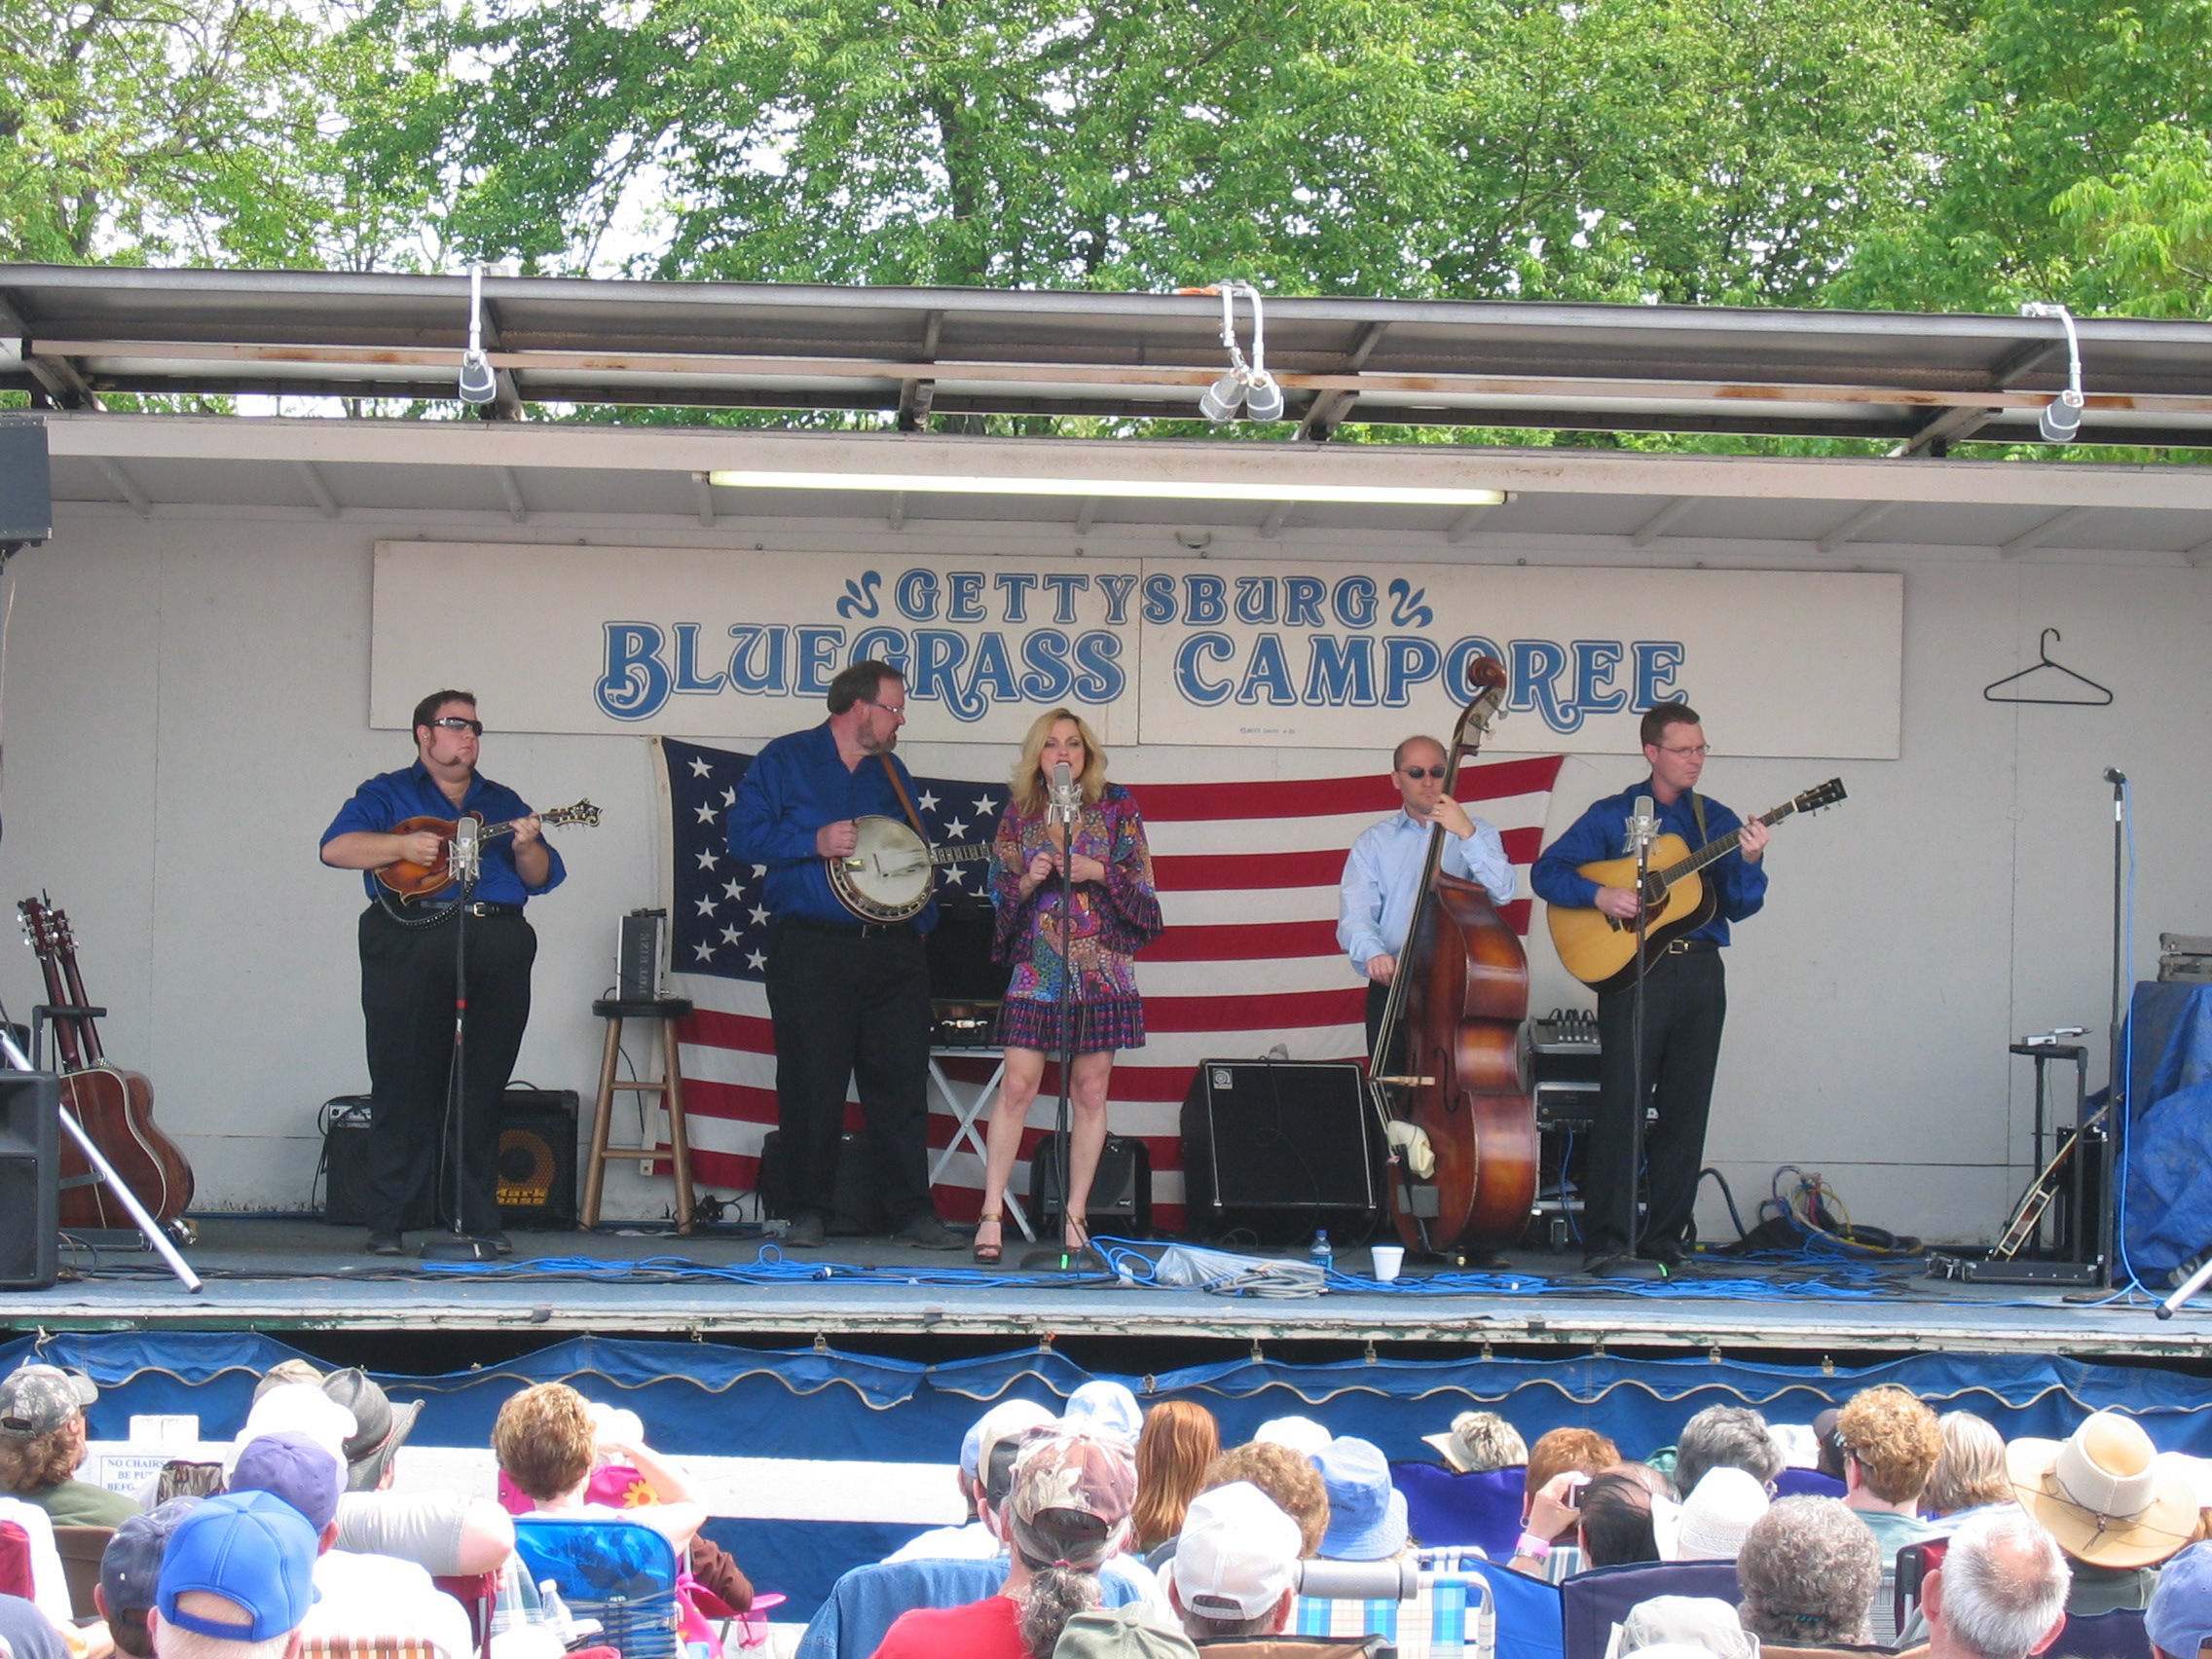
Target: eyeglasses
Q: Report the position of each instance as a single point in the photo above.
(1439, 773)
(453, 722)
(898, 713)
(1701, 750)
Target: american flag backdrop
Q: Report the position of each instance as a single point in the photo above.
(1248, 875)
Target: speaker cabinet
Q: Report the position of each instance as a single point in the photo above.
(30, 1175)
(537, 1168)
(1121, 1193)
(1279, 1148)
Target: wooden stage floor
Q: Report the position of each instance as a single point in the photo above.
(287, 1275)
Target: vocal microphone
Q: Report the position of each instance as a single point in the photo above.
(2113, 775)
(1066, 804)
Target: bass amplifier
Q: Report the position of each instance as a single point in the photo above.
(536, 1169)
(31, 1180)
(1279, 1148)
(1121, 1193)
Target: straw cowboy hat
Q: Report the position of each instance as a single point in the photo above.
(2103, 1493)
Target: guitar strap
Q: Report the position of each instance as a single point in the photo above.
(1697, 811)
(906, 805)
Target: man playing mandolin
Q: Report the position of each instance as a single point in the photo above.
(407, 972)
(1382, 874)
(848, 1000)
(1686, 997)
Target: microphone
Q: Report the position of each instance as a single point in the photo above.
(2113, 775)
(1642, 827)
(461, 855)
(1066, 804)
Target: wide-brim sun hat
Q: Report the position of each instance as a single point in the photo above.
(2103, 1494)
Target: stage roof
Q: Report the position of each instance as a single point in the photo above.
(74, 334)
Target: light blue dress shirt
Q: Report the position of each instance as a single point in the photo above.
(1376, 898)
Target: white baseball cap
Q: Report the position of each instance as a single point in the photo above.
(1104, 1407)
(1303, 1436)
(297, 1408)
(1236, 1555)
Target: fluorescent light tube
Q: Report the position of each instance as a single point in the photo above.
(1153, 488)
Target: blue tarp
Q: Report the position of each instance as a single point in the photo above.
(2167, 1203)
(703, 1398)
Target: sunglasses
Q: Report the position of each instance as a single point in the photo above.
(1439, 773)
(453, 722)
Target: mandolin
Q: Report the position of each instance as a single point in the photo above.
(115, 1107)
(412, 881)
(1599, 950)
(888, 876)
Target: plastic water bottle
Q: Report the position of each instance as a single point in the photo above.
(1320, 1255)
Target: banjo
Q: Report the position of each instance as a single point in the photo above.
(888, 876)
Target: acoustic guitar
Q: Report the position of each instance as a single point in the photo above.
(114, 1107)
(407, 881)
(1599, 950)
(888, 876)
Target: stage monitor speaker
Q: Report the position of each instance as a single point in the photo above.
(31, 1180)
(1279, 1147)
(637, 966)
(1121, 1193)
(26, 486)
(536, 1170)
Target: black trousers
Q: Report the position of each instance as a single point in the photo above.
(852, 1007)
(1685, 1004)
(407, 1001)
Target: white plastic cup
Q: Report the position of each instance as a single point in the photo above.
(1389, 1259)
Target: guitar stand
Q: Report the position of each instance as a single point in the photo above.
(102, 1170)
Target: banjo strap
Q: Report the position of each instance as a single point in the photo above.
(905, 804)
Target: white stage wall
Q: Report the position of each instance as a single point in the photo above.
(187, 705)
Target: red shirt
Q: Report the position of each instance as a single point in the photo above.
(989, 1629)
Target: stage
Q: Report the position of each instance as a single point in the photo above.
(303, 1276)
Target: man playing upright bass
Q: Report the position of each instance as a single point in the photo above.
(1381, 878)
(1685, 998)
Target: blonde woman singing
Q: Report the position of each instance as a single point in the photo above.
(1115, 914)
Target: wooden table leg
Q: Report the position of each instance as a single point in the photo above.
(679, 1135)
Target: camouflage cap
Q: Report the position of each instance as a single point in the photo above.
(39, 1399)
(1071, 1499)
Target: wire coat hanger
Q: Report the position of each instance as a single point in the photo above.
(2101, 694)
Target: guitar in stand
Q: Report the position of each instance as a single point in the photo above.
(117, 1167)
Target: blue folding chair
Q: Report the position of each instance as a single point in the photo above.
(1446, 1507)
(1590, 1603)
(620, 1573)
(1806, 1483)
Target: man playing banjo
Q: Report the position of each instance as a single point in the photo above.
(848, 999)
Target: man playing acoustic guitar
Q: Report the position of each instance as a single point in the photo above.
(1685, 998)
(407, 972)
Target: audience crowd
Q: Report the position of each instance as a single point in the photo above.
(1107, 1532)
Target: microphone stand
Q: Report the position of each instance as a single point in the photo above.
(463, 861)
(1060, 1258)
(1642, 833)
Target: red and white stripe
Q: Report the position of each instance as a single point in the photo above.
(1248, 875)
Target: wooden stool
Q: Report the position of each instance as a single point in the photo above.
(669, 1086)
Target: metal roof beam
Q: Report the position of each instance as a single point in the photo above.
(124, 485)
(510, 487)
(2057, 525)
(1663, 521)
(312, 476)
(703, 497)
(1857, 524)
(1327, 411)
(917, 395)
(1463, 526)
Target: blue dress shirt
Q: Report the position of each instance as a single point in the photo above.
(1380, 877)
(390, 798)
(794, 787)
(1601, 832)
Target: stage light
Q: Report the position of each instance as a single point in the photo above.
(1247, 385)
(1144, 489)
(2060, 422)
(478, 383)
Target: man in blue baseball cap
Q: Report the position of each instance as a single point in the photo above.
(236, 1580)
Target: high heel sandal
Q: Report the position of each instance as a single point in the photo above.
(1081, 1242)
(988, 1255)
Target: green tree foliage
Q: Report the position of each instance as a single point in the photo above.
(192, 131)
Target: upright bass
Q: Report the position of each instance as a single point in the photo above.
(1456, 1112)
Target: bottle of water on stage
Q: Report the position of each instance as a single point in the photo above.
(1322, 1256)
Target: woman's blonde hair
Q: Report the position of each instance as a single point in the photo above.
(1029, 780)
(1970, 1470)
